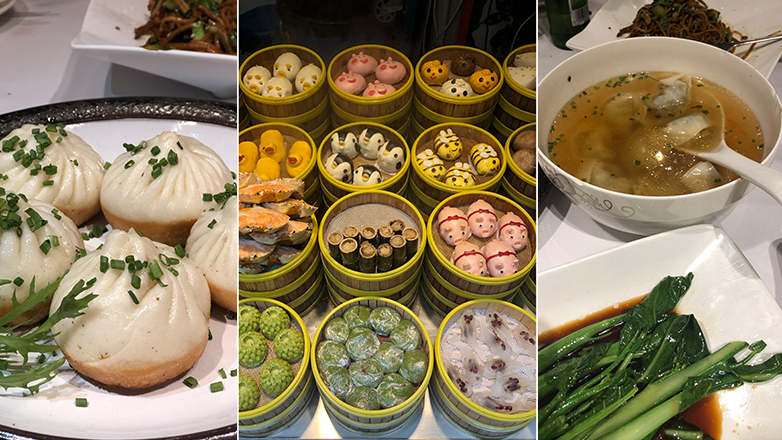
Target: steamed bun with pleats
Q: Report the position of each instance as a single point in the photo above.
(158, 186)
(212, 246)
(149, 321)
(51, 164)
(36, 242)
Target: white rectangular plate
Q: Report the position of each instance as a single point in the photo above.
(727, 297)
(169, 410)
(755, 19)
(108, 34)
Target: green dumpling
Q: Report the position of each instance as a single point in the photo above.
(338, 380)
(384, 319)
(366, 373)
(274, 320)
(275, 376)
(330, 353)
(363, 398)
(414, 366)
(249, 318)
(289, 345)
(336, 330)
(406, 336)
(357, 316)
(390, 357)
(249, 393)
(362, 343)
(393, 390)
(252, 349)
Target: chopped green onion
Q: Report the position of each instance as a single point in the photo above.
(104, 263)
(222, 373)
(210, 334)
(207, 197)
(47, 183)
(157, 170)
(85, 236)
(81, 402)
(179, 145)
(106, 165)
(173, 271)
(155, 150)
(234, 372)
(118, 264)
(173, 159)
(179, 251)
(18, 281)
(51, 128)
(50, 170)
(212, 224)
(155, 272)
(216, 387)
(45, 247)
(133, 296)
(56, 214)
(135, 281)
(129, 164)
(190, 382)
(55, 240)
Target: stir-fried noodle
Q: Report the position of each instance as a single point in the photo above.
(196, 25)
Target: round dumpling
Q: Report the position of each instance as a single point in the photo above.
(338, 380)
(330, 353)
(212, 246)
(390, 357)
(25, 254)
(158, 186)
(406, 336)
(149, 321)
(32, 155)
(384, 320)
(393, 390)
(414, 366)
(362, 344)
(363, 398)
(366, 373)
(357, 316)
(336, 330)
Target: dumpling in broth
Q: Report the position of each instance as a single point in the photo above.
(701, 177)
(675, 93)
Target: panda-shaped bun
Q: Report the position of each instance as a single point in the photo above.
(51, 164)
(212, 246)
(370, 142)
(391, 157)
(340, 167)
(149, 321)
(43, 251)
(366, 175)
(158, 187)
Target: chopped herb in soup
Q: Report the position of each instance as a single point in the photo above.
(622, 134)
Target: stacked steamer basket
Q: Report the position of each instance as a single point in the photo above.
(446, 284)
(391, 268)
(244, 115)
(374, 153)
(307, 109)
(519, 181)
(274, 413)
(380, 421)
(516, 105)
(527, 295)
(495, 418)
(389, 109)
(430, 185)
(305, 170)
(434, 107)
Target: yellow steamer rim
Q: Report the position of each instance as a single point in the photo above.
(370, 107)
(376, 416)
(359, 281)
(338, 189)
(308, 175)
(455, 107)
(263, 419)
(282, 107)
(474, 282)
(524, 98)
(518, 180)
(498, 421)
(441, 190)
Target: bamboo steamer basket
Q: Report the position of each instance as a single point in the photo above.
(399, 120)
(436, 190)
(427, 118)
(499, 130)
(353, 108)
(459, 410)
(510, 116)
(290, 280)
(315, 122)
(460, 286)
(380, 207)
(526, 295)
(336, 189)
(421, 201)
(291, 134)
(403, 293)
(446, 106)
(275, 414)
(515, 94)
(376, 422)
(244, 114)
(518, 180)
(302, 295)
(292, 107)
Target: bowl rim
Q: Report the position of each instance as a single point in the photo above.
(728, 187)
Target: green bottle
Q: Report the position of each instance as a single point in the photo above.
(566, 18)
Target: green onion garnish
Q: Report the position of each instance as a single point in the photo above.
(155, 272)
(106, 165)
(47, 183)
(179, 251)
(212, 224)
(155, 150)
(207, 197)
(234, 372)
(190, 382)
(129, 164)
(133, 296)
(118, 264)
(216, 387)
(81, 402)
(18, 281)
(45, 247)
(135, 281)
(173, 159)
(104, 263)
(222, 373)
(50, 170)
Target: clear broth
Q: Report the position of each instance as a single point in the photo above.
(609, 135)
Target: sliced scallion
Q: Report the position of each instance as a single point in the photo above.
(133, 296)
(81, 402)
(190, 382)
(216, 387)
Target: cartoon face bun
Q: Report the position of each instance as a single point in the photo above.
(158, 187)
(390, 71)
(287, 66)
(277, 87)
(352, 83)
(457, 87)
(146, 325)
(256, 78)
(73, 167)
(212, 247)
(307, 77)
(362, 64)
(32, 251)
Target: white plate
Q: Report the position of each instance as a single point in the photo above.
(167, 411)
(758, 20)
(6, 6)
(108, 34)
(727, 297)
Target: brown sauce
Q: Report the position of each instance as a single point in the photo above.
(705, 414)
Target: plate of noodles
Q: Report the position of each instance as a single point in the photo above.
(197, 47)
(694, 20)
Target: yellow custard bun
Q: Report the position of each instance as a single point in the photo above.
(51, 164)
(135, 337)
(25, 254)
(212, 246)
(158, 187)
